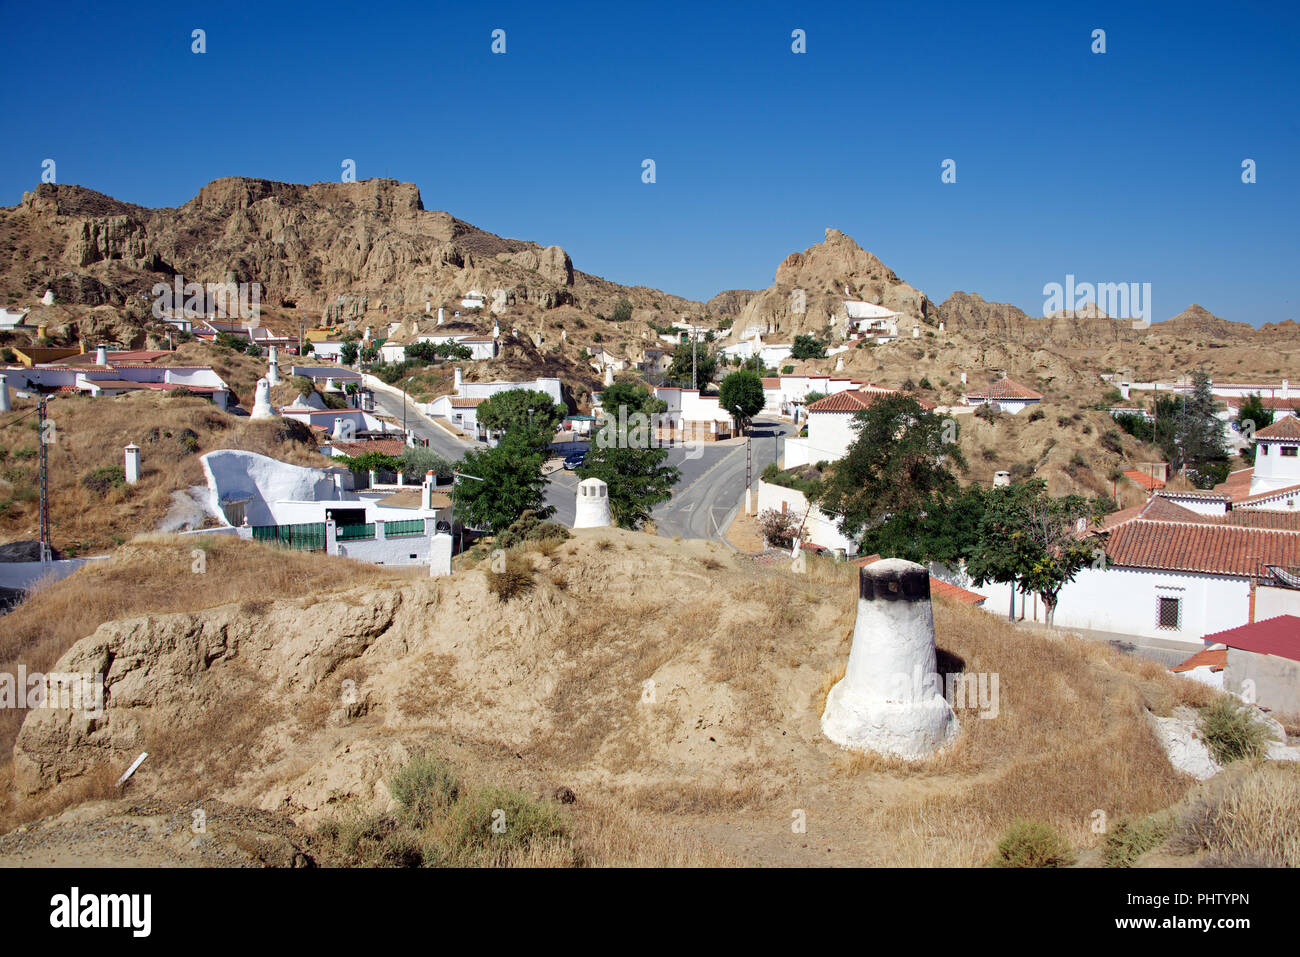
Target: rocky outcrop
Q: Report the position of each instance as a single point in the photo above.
(811, 287)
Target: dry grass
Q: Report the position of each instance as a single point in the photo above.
(1248, 819)
(153, 575)
(91, 434)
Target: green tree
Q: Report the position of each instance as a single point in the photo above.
(416, 461)
(945, 531)
(1251, 417)
(526, 410)
(808, 347)
(1030, 540)
(511, 483)
(706, 364)
(622, 311)
(898, 463)
(638, 479)
(742, 395)
(348, 353)
(632, 396)
(1198, 441)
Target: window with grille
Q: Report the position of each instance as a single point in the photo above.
(1289, 451)
(1167, 612)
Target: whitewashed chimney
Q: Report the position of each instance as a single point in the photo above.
(1286, 390)
(426, 491)
(101, 355)
(456, 381)
(428, 305)
(262, 401)
(273, 367)
(1001, 478)
(609, 374)
(48, 298)
(440, 315)
(5, 406)
(132, 464)
(890, 700)
(440, 555)
(592, 508)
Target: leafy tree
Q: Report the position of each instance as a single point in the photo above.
(1030, 540)
(808, 347)
(706, 364)
(369, 353)
(945, 531)
(511, 483)
(1198, 441)
(1251, 417)
(637, 478)
(348, 353)
(416, 461)
(622, 311)
(426, 351)
(633, 396)
(898, 463)
(742, 395)
(526, 410)
(371, 461)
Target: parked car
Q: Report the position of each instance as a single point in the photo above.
(574, 459)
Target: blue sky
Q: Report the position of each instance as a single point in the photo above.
(1115, 167)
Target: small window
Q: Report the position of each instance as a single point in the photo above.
(1167, 612)
(1263, 450)
(1289, 451)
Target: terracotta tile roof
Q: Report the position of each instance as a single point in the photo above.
(1268, 402)
(1005, 389)
(772, 383)
(1209, 548)
(1287, 427)
(855, 400)
(1278, 636)
(1144, 480)
(1216, 659)
(1237, 484)
(461, 402)
(1262, 518)
(383, 446)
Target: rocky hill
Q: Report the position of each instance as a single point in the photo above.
(808, 294)
(328, 251)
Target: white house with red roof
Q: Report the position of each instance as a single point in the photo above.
(1005, 395)
(105, 373)
(830, 426)
(1166, 571)
(460, 407)
(786, 395)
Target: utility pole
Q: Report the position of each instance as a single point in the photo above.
(693, 383)
(46, 552)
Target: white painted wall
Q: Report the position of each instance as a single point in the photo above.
(1273, 468)
(1123, 600)
(819, 528)
(266, 481)
(27, 574)
(829, 436)
(1271, 601)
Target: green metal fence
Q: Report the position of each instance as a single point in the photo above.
(309, 537)
(352, 533)
(412, 526)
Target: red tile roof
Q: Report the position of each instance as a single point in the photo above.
(462, 402)
(1209, 548)
(1143, 479)
(855, 400)
(1278, 636)
(1287, 427)
(1005, 389)
(1265, 496)
(1216, 659)
(772, 383)
(1237, 484)
(383, 446)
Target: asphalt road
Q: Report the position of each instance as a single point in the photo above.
(440, 441)
(706, 496)
(709, 491)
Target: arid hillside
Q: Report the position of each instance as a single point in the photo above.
(637, 730)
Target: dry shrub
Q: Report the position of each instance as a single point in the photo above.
(1246, 819)
(1032, 844)
(514, 579)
